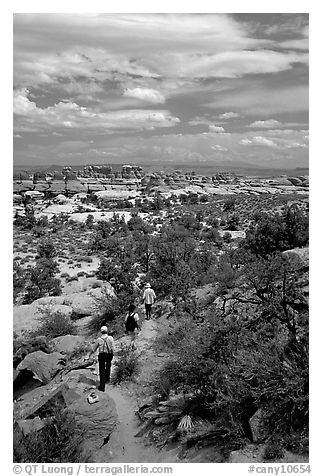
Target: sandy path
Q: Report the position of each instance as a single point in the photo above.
(123, 446)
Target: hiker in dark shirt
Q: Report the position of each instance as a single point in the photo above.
(105, 346)
(132, 321)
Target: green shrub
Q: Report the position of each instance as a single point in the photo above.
(42, 281)
(297, 443)
(110, 312)
(126, 364)
(54, 324)
(60, 441)
(273, 450)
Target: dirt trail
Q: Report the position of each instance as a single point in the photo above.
(123, 446)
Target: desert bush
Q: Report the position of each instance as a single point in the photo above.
(41, 280)
(297, 443)
(126, 364)
(110, 312)
(229, 204)
(232, 222)
(270, 233)
(227, 238)
(19, 277)
(46, 249)
(54, 324)
(26, 222)
(273, 450)
(60, 441)
(235, 363)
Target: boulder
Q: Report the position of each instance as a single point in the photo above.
(75, 186)
(86, 303)
(34, 194)
(152, 414)
(15, 374)
(49, 300)
(61, 199)
(32, 345)
(17, 198)
(43, 366)
(25, 317)
(257, 427)
(166, 419)
(99, 418)
(302, 254)
(28, 426)
(234, 234)
(149, 402)
(67, 344)
(40, 401)
(82, 376)
(295, 181)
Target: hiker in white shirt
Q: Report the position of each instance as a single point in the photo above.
(148, 299)
(105, 346)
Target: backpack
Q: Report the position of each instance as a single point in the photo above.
(131, 323)
(106, 348)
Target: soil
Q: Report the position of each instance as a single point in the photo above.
(123, 445)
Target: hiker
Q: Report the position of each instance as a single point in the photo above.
(105, 346)
(148, 299)
(132, 321)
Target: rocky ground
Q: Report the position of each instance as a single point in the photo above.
(115, 416)
(49, 375)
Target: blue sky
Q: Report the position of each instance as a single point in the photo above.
(180, 88)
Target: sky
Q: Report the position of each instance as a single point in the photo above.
(161, 88)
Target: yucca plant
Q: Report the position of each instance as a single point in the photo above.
(185, 424)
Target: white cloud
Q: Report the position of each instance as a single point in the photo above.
(268, 124)
(258, 140)
(71, 115)
(228, 115)
(277, 138)
(213, 128)
(219, 147)
(167, 46)
(145, 94)
(264, 101)
(302, 44)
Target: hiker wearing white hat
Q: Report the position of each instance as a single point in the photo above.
(105, 346)
(148, 299)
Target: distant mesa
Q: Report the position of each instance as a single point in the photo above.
(67, 181)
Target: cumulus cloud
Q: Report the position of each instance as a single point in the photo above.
(279, 139)
(219, 147)
(213, 128)
(228, 115)
(145, 94)
(185, 148)
(72, 116)
(258, 140)
(268, 124)
(112, 73)
(147, 45)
